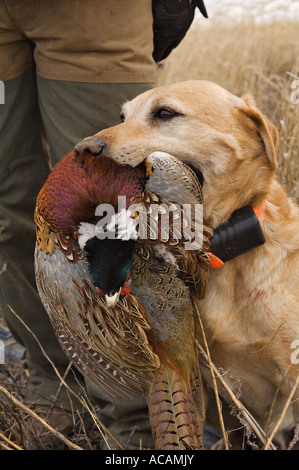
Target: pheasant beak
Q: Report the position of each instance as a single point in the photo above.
(111, 300)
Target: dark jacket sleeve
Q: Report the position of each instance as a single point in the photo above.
(172, 19)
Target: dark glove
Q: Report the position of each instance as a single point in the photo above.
(172, 19)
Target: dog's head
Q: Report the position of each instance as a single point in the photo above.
(225, 139)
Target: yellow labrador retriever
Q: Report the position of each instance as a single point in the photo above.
(251, 308)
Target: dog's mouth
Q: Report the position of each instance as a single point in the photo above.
(193, 168)
(197, 172)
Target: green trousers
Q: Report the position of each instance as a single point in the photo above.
(40, 122)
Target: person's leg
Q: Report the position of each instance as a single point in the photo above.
(23, 170)
(73, 110)
(127, 420)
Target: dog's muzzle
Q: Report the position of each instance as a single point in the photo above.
(94, 145)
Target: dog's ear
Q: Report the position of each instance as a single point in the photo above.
(265, 128)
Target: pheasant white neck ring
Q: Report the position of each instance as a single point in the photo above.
(121, 226)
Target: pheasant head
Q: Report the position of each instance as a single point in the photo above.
(85, 214)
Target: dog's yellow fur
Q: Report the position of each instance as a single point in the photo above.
(251, 308)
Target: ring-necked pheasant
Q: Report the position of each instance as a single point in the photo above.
(121, 307)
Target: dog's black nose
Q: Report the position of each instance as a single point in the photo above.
(94, 145)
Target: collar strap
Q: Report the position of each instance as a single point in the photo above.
(240, 233)
(258, 210)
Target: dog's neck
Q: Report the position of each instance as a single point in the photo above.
(241, 233)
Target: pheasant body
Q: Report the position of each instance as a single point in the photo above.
(145, 342)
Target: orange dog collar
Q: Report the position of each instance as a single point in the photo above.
(242, 232)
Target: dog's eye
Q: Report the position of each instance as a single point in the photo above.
(165, 113)
(122, 117)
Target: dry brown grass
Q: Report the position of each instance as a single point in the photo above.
(243, 56)
(24, 428)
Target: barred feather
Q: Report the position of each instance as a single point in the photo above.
(174, 418)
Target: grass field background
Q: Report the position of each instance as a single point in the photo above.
(249, 47)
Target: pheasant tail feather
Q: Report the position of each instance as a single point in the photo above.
(173, 414)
